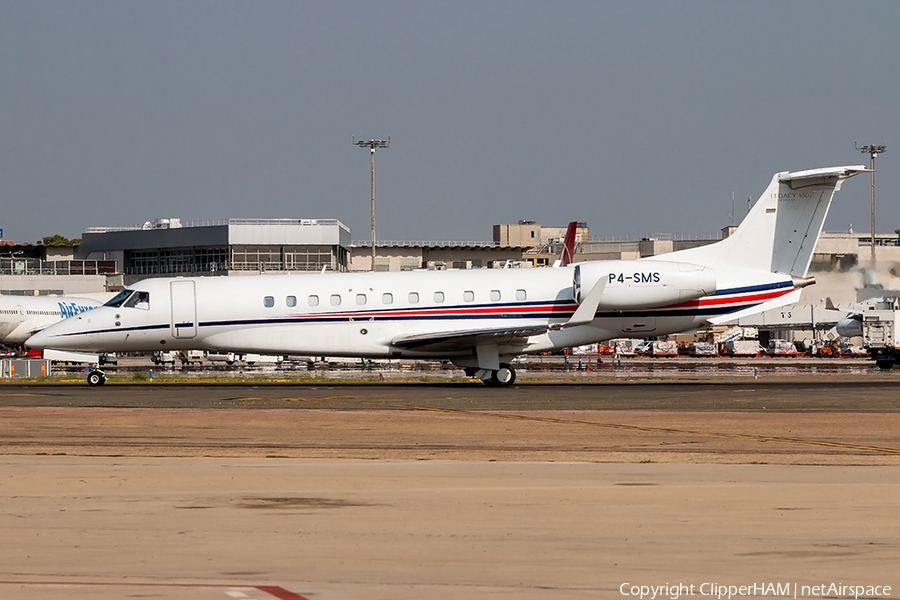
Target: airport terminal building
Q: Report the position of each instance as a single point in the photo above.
(168, 247)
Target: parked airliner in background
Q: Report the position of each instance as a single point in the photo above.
(478, 319)
(23, 316)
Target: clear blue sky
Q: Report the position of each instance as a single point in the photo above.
(637, 117)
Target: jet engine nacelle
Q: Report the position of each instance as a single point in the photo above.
(633, 284)
(851, 326)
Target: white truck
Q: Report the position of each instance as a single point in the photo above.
(164, 358)
(881, 336)
(258, 359)
(215, 356)
(192, 356)
(878, 324)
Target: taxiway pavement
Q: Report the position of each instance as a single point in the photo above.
(446, 490)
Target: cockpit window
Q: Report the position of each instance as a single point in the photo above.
(139, 300)
(119, 299)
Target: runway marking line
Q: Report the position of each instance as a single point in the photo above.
(272, 590)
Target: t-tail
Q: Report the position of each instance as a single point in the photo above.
(767, 257)
(780, 232)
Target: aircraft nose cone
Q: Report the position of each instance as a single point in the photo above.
(52, 337)
(38, 340)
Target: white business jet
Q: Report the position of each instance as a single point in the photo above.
(478, 319)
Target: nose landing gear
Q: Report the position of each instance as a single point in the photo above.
(96, 377)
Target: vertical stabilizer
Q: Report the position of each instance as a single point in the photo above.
(567, 254)
(568, 251)
(780, 232)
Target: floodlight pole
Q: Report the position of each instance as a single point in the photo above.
(872, 151)
(372, 145)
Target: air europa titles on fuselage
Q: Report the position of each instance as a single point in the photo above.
(70, 309)
(636, 277)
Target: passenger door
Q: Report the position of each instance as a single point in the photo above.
(184, 309)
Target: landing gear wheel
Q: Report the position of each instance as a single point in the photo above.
(96, 378)
(504, 377)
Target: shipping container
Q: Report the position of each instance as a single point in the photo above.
(782, 348)
(742, 348)
(663, 348)
(702, 349)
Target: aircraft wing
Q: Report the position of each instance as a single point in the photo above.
(443, 341)
(510, 336)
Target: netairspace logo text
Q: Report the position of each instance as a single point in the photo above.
(720, 591)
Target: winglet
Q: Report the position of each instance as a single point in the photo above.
(587, 310)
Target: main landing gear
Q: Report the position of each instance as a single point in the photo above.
(505, 376)
(96, 377)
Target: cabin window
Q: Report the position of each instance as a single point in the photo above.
(335, 299)
(361, 299)
(521, 295)
(269, 301)
(413, 297)
(439, 297)
(495, 295)
(469, 296)
(313, 300)
(387, 298)
(291, 301)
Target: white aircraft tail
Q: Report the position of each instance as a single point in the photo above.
(780, 232)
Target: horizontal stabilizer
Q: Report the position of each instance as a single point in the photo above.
(825, 172)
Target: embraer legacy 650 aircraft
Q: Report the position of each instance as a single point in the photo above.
(478, 319)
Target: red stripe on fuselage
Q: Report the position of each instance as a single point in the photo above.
(724, 301)
(561, 309)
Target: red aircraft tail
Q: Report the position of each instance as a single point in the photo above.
(568, 251)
